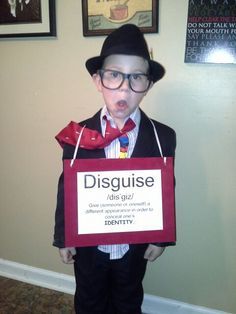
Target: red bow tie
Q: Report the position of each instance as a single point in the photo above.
(91, 139)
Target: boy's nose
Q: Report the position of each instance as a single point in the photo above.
(125, 85)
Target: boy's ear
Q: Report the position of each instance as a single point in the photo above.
(97, 81)
(149, 88)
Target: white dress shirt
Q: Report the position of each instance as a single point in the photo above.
(117, 251)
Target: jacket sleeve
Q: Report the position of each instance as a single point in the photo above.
(59, 229)
(168, 143)
(68, 151)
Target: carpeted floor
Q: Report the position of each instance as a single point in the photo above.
(21, 298)
(17, 297)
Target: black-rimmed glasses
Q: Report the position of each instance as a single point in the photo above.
(112, 79)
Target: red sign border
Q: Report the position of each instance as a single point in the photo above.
(168, 234)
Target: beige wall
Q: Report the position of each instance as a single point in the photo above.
(44, 85)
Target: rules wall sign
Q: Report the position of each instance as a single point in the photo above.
(211, 31)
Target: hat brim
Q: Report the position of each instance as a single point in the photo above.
(94, 64)
(157, 71)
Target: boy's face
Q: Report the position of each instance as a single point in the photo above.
(122, 102)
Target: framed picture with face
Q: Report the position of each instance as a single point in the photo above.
(27, 18)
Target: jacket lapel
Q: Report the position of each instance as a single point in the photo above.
(94, 124)
(146, 145)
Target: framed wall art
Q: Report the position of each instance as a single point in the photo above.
(27, 18)
(100, 17)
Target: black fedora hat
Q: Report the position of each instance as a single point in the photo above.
(126, 40)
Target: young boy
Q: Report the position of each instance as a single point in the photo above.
(109, 277)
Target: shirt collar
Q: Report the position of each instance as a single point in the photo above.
(135, 116)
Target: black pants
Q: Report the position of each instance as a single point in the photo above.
(105, 286)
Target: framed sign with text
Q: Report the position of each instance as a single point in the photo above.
(100, 17)
(211, 31)
(110, 201)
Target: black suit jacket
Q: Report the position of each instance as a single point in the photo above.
(146, 146)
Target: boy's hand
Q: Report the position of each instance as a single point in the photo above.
(66, 255)
(153, 252)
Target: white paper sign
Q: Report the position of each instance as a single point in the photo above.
(119, 201)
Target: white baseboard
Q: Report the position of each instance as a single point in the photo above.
(158, 305)
(65, 283)
(37, 276)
